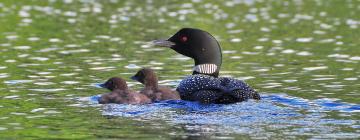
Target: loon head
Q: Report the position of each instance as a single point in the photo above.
(115, 83)
(199, 45)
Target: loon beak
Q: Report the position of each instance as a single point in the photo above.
(163, 43)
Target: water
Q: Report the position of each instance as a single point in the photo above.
(302, 56)
(291, 115)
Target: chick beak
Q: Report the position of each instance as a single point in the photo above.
(134, 78)
(102, 85)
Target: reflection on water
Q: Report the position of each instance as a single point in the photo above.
(292, 115)
(53, 52)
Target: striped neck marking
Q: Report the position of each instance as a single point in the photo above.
(205, 68)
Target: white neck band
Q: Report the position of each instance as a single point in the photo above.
(205, 68)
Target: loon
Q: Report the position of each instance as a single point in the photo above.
(204, 85)
(152, 90)
(120, 93)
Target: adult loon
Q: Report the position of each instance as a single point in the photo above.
(204, 85)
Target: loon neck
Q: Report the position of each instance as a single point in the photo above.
(151, 84)
(207, 68)
(210, 58)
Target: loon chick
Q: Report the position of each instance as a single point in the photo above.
(155, 92)
(120, 93)
(204, 85)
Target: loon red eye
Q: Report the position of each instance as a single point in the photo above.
(184, 38)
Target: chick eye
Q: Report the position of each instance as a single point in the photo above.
(184, 38)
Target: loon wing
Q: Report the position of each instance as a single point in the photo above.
(206, 96)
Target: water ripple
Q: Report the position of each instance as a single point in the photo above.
(277, 110)
(17, 81)
(48, 90)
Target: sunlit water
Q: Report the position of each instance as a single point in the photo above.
(302, 56)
